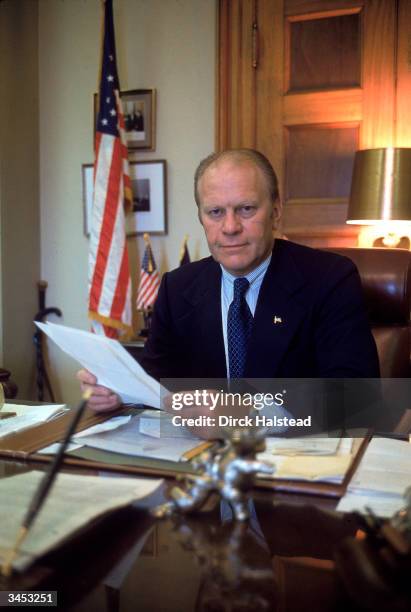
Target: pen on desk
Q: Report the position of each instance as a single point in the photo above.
(197, 450)
(44, 486)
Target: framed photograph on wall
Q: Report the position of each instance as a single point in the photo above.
(139, 107)
(149, 186)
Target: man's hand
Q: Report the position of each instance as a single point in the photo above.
(102, 399)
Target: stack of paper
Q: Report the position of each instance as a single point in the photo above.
(73, 502)
(142, 435)
(27, 416)
(381, 478)
(113, 366)
(319, 458)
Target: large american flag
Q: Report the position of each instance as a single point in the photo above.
(149, 280)
(109, 274)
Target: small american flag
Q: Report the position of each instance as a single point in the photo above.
(149, 279)
(109, 274)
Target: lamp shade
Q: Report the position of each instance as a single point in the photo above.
(381, 186)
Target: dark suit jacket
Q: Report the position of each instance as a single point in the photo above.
(323, 330)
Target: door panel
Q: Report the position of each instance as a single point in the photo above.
(307, 82)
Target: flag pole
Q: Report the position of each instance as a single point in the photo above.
(109, 272)
(183, 247)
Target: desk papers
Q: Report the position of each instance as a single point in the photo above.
(129, 440)
(109, 425)
(322, 459)
(381, 478)
(307, 445)
(113, 366)
(27, 416)
(149, 434)
(73, 502)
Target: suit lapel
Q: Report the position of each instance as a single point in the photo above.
(278, 314)
(204, 296)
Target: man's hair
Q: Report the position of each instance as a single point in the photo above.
(240, 156)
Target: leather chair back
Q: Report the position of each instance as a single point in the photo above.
(386, 279)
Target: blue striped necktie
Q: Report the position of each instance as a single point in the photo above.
(239, 325)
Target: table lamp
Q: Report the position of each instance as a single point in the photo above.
(381, 197)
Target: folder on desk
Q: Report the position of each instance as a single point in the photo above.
(26, 444)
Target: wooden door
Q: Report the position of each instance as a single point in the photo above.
(308, 82)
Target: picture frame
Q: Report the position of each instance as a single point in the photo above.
(149, 186)
(139, 107)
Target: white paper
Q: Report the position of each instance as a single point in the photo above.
(109, 425)
(310, 459)
(54, 448)
(27, 416)
(74, 501)
(384, 468)
(302, 446)
(382, 505)
(150, 426)
(113, 366)
(381, 478)
(128, 440)
(76, 443)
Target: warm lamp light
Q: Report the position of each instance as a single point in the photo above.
(381, 194)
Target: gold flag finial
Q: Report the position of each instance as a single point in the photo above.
(183, 246)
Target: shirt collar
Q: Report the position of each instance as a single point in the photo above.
(253, 277)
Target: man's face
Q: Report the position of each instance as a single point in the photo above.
(237, 215)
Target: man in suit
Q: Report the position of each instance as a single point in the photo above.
(305, 308)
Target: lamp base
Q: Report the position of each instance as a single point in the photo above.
(377, 236)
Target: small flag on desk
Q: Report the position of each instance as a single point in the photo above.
(149, 279)
(109, 274)
(184, 254)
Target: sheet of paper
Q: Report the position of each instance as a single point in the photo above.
(74, 501)
(381, 478)
(327, 469)
(24, 409)
(113, 366)
(385, 467)
(27, 416)
(159, 424)
(128, 440)
(307, 445)
(309, 459)
(54, 448)
(150, 427)
(382, 505)
(76, 443)
(109, 425)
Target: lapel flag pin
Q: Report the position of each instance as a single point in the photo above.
(277, 320)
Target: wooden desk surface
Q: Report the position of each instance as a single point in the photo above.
(282, 561)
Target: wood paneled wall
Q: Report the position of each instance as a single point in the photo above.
(308, 82)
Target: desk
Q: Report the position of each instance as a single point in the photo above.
(200, 563)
